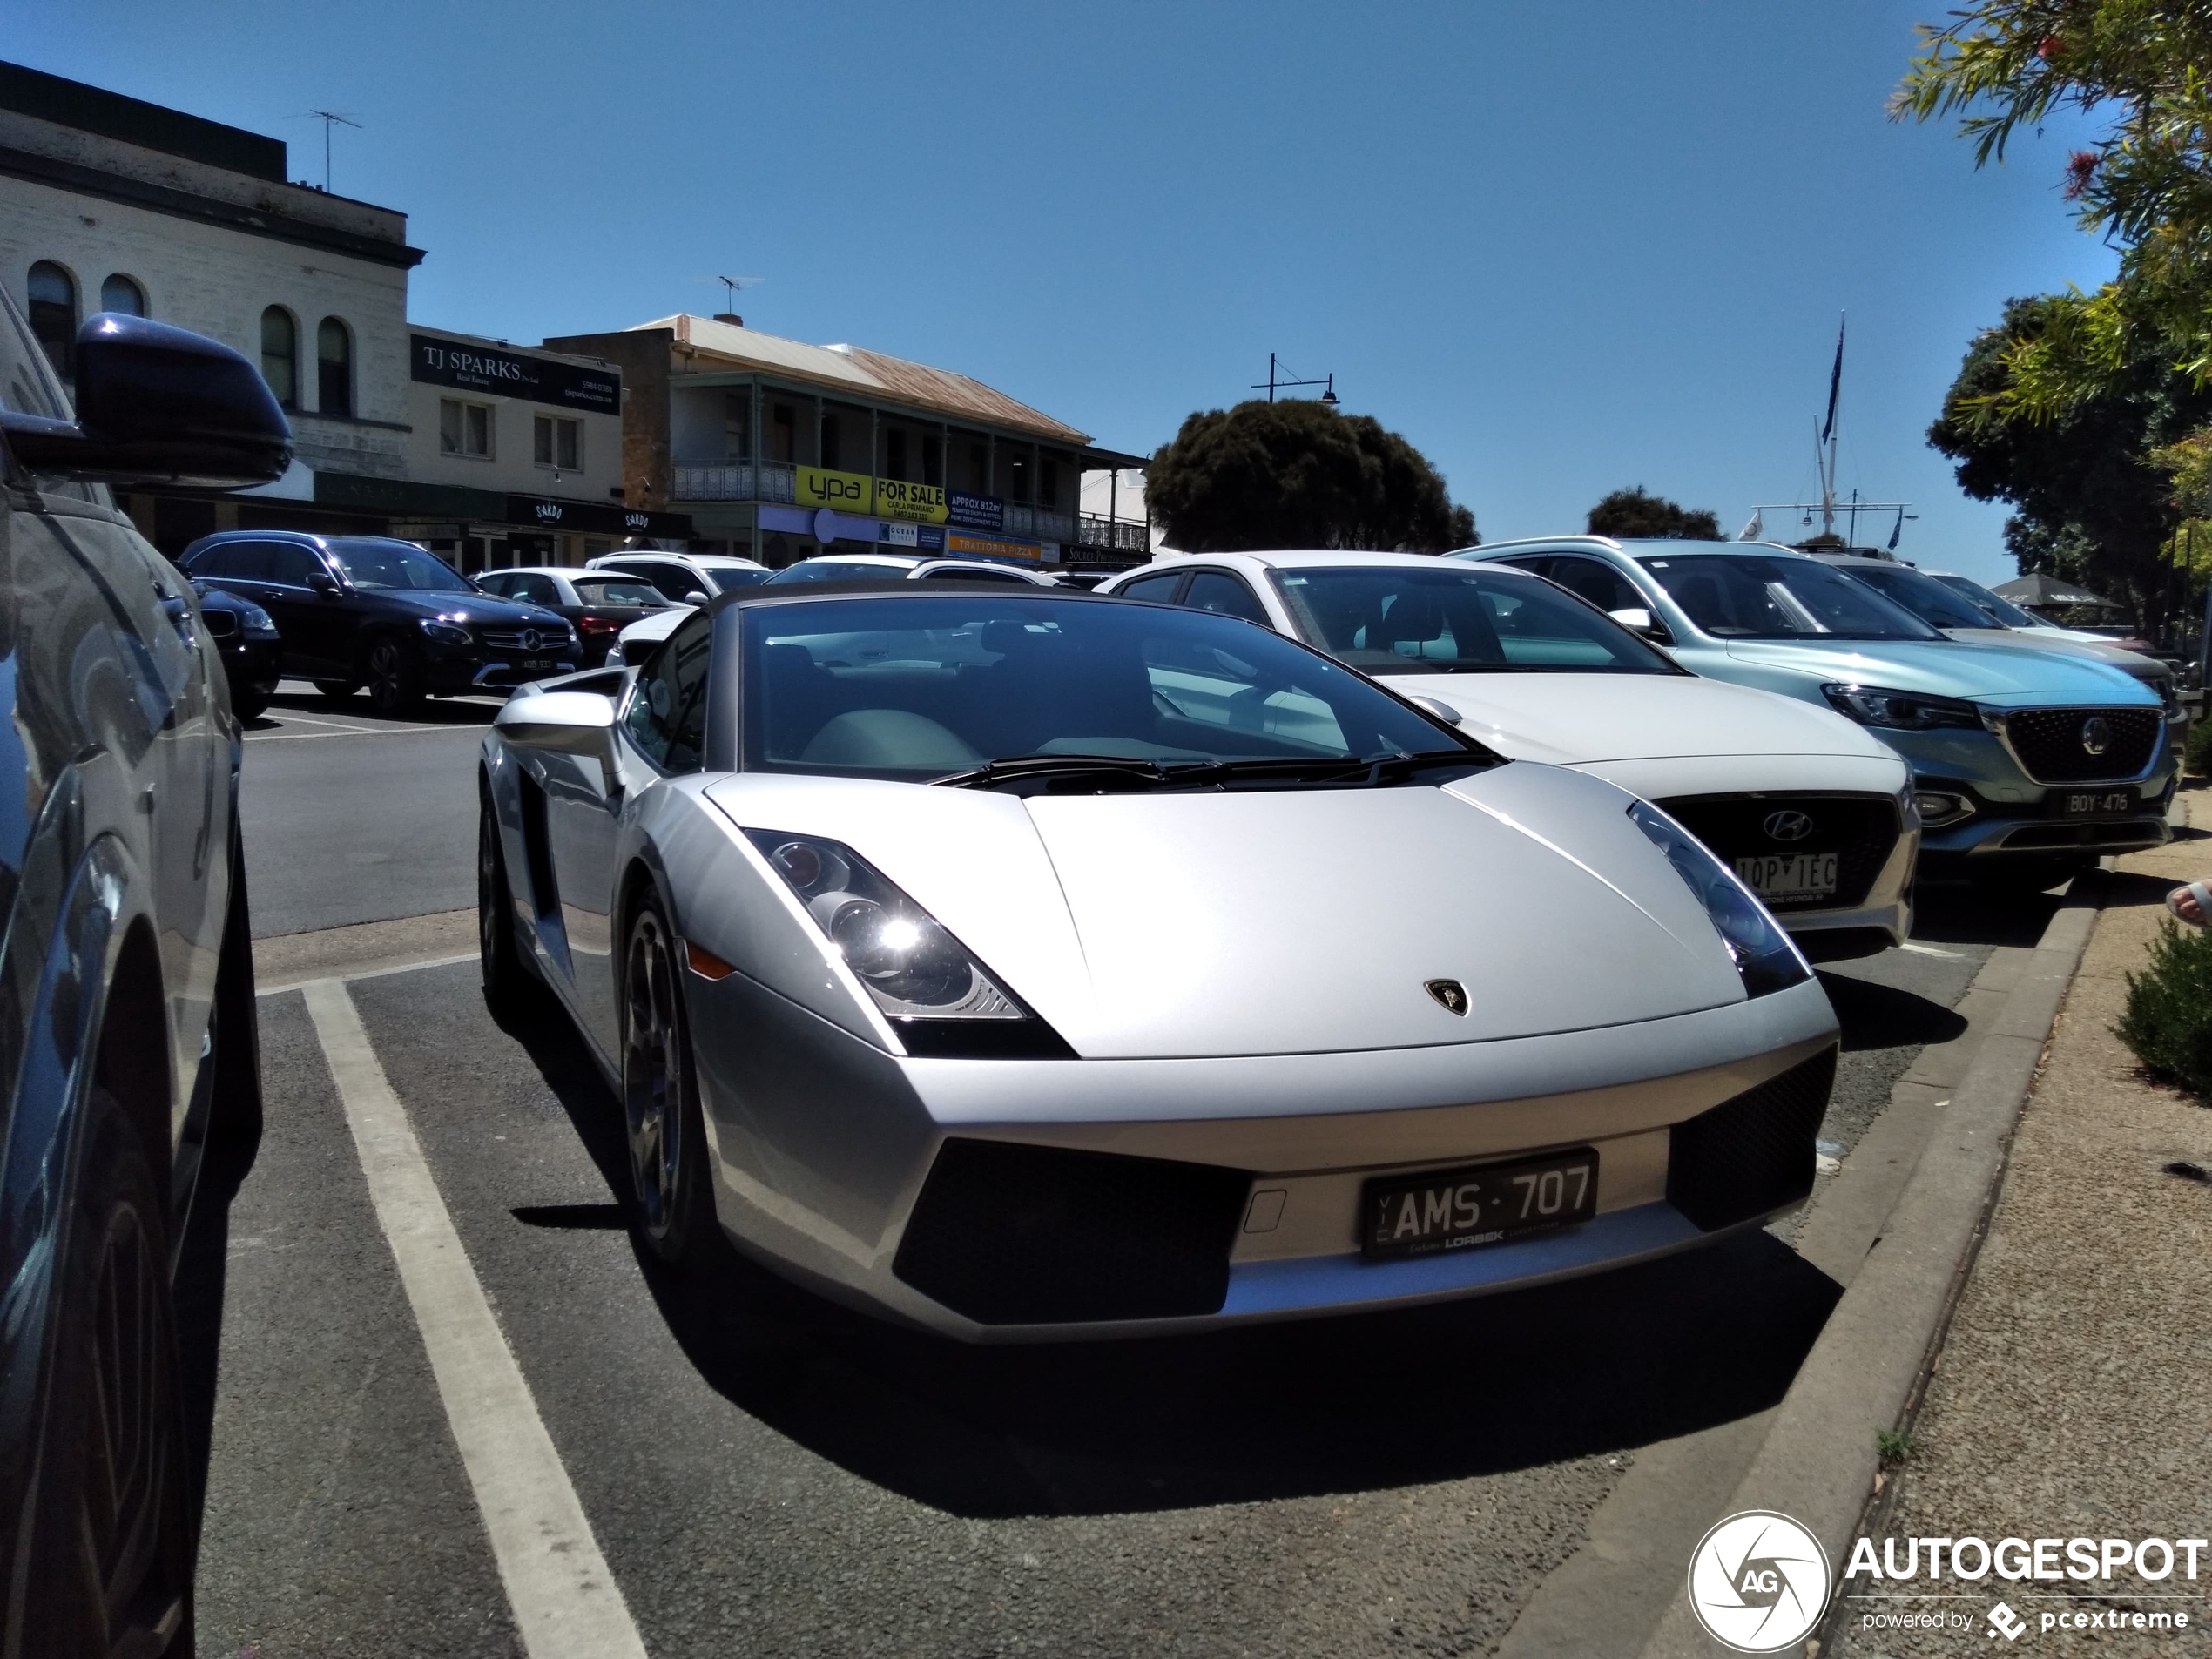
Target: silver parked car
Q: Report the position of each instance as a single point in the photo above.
(127, 1034)
(1022, 963)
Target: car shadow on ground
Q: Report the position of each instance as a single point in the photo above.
(1874, 1016)
(1474, 1388)
(203, 1261)
(437, 711)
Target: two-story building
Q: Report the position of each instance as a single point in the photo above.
(493, 454)
(778, 451)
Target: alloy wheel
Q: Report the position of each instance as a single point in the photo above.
(652, 1072)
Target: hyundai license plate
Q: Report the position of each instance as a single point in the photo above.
(1426, 1215)
(1790, 875)
(2096, 803)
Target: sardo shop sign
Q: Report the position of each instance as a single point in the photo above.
(917, 503)
(478, 368)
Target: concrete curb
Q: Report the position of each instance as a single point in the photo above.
(1818, 1461)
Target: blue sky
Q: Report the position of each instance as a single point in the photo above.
(1561, 248)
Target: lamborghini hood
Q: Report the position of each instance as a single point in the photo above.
(1291, 922)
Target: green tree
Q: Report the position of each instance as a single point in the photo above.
(1299, 474)
(2091, 504)
(1634, 512)
(2146, 66)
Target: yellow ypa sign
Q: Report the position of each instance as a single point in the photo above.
(845, 492)
(921, 503)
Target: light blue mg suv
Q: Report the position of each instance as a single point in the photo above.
(2027, 765)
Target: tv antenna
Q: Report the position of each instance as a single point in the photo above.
(732, 284)
(330, 118)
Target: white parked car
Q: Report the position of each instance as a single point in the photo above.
(1813, 812)
(685, 579)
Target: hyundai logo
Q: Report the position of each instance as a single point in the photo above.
(2096, 735)
(1788, 824)
(530, 639)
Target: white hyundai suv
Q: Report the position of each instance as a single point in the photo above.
(1814, 813)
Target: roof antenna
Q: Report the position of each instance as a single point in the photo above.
(732, 284)
(330, 119)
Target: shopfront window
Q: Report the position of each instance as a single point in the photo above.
(464, 429)
(894, 455)
(122, 294)
(830, 462)
(334, 367)
(736, 426)
(1048, 484)
(557, 442)
(53, 316)
(280, 356)
(785, 437)
(1018, 479)
(933, 460)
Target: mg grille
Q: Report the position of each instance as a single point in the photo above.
(2054, 744)
(1861, 829)
(1038, 1234)
(1753, 1154)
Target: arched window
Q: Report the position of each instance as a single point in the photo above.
(334, 369)
(123, 294)
(280, 356)
(53, 314)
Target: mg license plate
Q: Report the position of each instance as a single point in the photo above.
(1426, 1215)
(1790, 876)
(2096, 803)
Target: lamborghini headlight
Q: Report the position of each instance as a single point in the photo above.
(1764, 956)
(911, 966)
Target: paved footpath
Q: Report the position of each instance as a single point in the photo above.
(2072, 1396)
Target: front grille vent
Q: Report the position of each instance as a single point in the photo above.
(1753, 1154)
(220, 624)
(2054, 745)
(1861, 829)
(1008, 1234)
(511, 638)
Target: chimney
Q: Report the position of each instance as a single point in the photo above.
(730, 317)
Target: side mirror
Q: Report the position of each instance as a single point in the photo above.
(695, 598)
(1438, 707)
(1638, 620)
(569, 723)
(157, 404)
(325, 584)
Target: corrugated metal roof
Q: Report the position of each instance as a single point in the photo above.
(894, 379)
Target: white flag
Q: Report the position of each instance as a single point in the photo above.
(1753, 530)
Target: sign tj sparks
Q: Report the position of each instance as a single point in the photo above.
(476, 368)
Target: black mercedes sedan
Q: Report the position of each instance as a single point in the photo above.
(251, 646)
(371, 611)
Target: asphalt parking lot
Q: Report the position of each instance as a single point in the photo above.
(764, 1473)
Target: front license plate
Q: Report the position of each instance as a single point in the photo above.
(1426, 1215)
(535, 665)
(1790, 875)
(2096, 803)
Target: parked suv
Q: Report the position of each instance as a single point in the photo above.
(127, 1038)
(360, 610)
(2026, 763)
(685, 579)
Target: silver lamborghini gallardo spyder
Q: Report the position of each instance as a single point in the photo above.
(1028, 965)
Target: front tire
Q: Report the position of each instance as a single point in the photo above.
(660, 1101)
(337, 691)
(396, 677)
(111, 1558)
(249, 702)
(507, 976)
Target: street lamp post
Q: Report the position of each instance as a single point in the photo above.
(1276, 376)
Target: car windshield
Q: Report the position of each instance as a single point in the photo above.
(955, 678)
(2003, 612)
(397, 564)
(616, 591)
(1398, 619)
(835, 570)
(1782, 596)
(729, 576)
(1923, 596)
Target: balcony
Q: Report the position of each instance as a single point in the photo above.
(734, 481)
(1115, 536)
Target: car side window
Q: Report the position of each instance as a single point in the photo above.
(667, 715)
(1599, 582)
(1218, 591)
(495, 583)
(1158, 588)
(954, 574)
(671, 579)
(535, 589)
(292, 564)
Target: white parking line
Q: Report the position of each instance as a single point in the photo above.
(1919, 949)
(567, 1604)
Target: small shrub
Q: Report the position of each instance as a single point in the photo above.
(2167, 1021)
(2196, 749)
(1893, 1446)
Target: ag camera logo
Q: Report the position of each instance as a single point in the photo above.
(1758, 1582)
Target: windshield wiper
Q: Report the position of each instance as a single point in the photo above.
(1106, 773)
